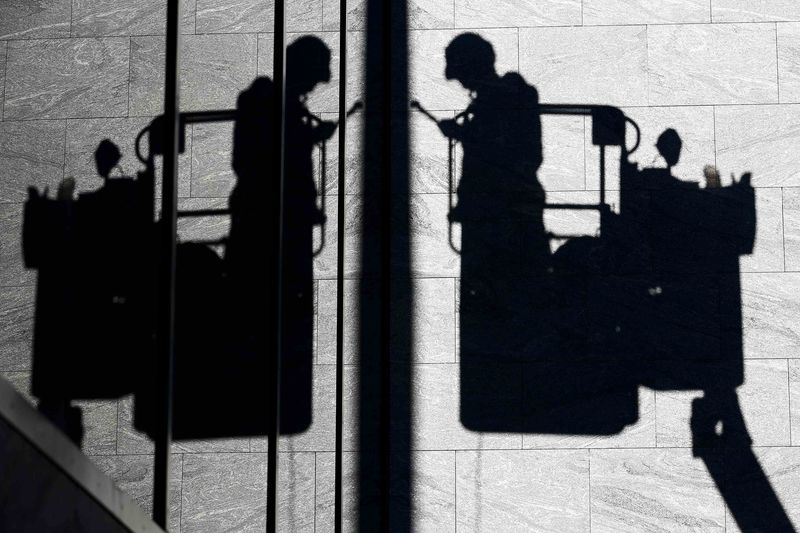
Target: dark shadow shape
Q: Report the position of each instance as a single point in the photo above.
(90, 326)
(96, 290)
(246, 274)
(560, 343)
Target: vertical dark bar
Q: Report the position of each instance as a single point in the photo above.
(399, 290)
(384, 427)
(166, 297)
(337, 503)
(602, 175)
(384, 475)
(279, 77)
(371, 322)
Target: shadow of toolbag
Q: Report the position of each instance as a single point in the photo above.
(222, 359)
(92, 324)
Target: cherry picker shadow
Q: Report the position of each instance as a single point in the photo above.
(559, 343)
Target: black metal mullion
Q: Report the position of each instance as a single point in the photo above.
(340, 265)
(166, 288)
(279, 80)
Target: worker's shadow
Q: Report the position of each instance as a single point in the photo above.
(560, 342)
(239, 364)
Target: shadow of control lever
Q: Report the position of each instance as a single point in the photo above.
(323, 185)
(608, 129)
(225, 115)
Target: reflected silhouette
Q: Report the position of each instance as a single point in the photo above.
(247, 273)
(92, 255)
(95, 257)
(560, 343)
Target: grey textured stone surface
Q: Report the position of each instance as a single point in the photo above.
(755, 11)
(214, 69)
(134, 475)
(16, 327)
(730, 64)
(224, 492)
(3, 51)
(31, 154)
(61, 78)
(126, 17)
(543, 490)
(725, 74)
(794, 399)
(23, 19)
(602, 65)
(653, 490)
(610, 12)
(769, 306)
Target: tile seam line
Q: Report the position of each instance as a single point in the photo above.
(5, 82)
(748, 273)
(130, 61)
(415, 30)
(789, 398)
(619, 25)
(783, 227)
(621, 106)
(576, 24)
(777, 66)
(589, 454)
(458, 450)
(447, 363)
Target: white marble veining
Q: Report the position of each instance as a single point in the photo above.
(34, 19)
(3, 49)
(711, 64)
(421, 14)
(212, 149)
(791, 228)
(653, 491)
(214, 70)
(794, 400)
(510, 13)
(16, 327)
(768, 251)
(12, 269)
(563, 149)
(226, 491)
(530, 490)
(609, 12)
(754, 10)
(592, 65)
(789, 61)
(31, 154)
(60, 78)
(760, 140)
(431, 252)
(770, 304)
(134, 475)
(96, 18)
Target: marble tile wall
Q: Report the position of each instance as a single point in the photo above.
(724, 73)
